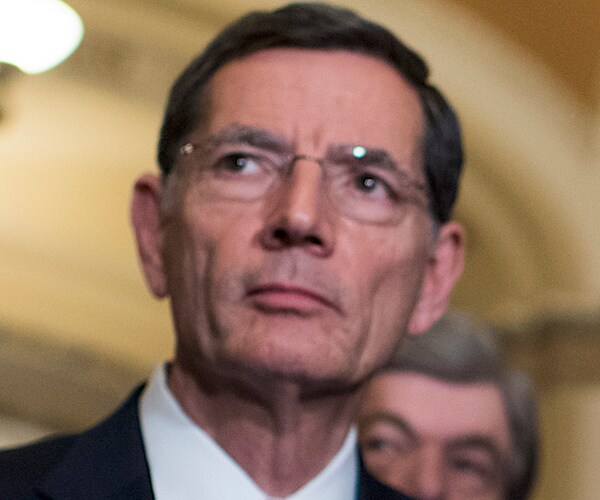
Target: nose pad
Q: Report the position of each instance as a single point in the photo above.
(298, 212)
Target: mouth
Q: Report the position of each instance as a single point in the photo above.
(287, 298)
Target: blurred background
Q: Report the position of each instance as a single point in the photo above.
(77, 327)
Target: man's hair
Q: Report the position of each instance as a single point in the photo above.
(457, 350)
(320, 27)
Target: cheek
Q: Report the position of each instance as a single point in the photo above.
(390, 274)
(185, 259)
(388, 280)
(204, 249)
(199, 246)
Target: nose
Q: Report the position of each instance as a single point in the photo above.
(298, 212)
(427, 479)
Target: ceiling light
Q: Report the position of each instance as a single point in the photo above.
(36, 35)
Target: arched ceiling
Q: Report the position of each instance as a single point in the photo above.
(74, 140)
(563, 35)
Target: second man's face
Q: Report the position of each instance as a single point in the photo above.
(287, 284)
(434, 439)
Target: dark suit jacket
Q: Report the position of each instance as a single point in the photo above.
(105, 462)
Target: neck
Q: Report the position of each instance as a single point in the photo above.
(295, 433)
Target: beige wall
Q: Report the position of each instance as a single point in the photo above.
(16, 431)
(561, 353)
(571, 434)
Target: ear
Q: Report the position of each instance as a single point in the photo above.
(445, 266)
(146, 222)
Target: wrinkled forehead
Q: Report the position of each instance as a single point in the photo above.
(314, 97)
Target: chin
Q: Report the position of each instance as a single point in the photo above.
(315, 352)
(309, 369)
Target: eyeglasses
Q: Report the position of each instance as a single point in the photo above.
(362, 183)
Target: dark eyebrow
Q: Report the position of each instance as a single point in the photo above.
(252, 136)
(395, 420)
(377, 156)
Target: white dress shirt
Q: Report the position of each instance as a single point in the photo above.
(186, 463)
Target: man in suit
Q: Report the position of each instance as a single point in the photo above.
(299, 227)
(445, 418)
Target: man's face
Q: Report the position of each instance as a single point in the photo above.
(433, 439)
(288, 283)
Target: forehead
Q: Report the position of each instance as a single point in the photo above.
(314, 97)
(440, 410)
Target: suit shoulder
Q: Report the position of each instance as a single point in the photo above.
(23, 467)
(90, 464)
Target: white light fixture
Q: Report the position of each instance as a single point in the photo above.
(36, 35)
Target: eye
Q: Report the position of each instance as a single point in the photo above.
(376, 444)
(474, 471)
(385, 441)
(239, 163)
(466, 465)
(366, 183)
(373, 185)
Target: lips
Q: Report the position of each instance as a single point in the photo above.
(283, 297)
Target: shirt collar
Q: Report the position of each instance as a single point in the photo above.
(186, 463)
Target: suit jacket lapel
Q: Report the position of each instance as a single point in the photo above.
(108, 461)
